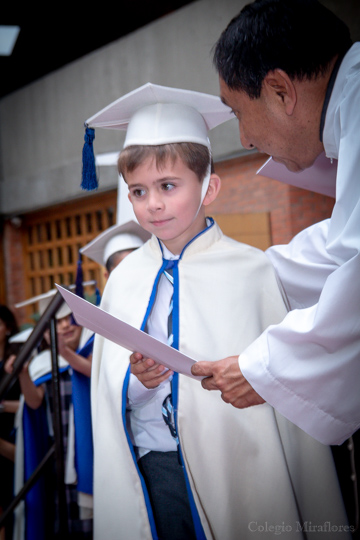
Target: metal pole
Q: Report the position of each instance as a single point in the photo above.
(23, 355)
(29, 483)
(58, 433)
(32, 342)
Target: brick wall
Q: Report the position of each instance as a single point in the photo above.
(14, 288)
(291, 210)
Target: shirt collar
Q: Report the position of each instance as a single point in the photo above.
(329, 90)
(170, 256)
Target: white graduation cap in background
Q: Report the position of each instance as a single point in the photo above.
(21, 337)
(155, 115)
(42, 301)
(126, 234)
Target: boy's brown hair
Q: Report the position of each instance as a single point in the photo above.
(195, 156)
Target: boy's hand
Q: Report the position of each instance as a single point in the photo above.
(61, 344)
(9, 364)
(149, 373)
(47, 336)
(225, 375)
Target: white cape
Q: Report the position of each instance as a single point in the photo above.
(246, 468)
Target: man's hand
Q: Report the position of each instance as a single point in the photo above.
(225, 375)
(149, 373)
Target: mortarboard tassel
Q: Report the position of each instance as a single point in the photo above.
(98, 296)
(89, 179)
(79, 289)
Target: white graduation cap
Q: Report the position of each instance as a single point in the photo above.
(126, 234)
(22, 336)
(43, 300)
(155, 115)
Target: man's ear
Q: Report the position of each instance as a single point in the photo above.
(277, 84)
(213, 189)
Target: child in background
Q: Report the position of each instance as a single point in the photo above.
(8, 407)
(111, 246)
(173, 461)
(34, 432)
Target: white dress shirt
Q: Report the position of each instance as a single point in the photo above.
(147, 426)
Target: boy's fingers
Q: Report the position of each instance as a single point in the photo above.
(136, 357)
(144, 365)
(156, 381)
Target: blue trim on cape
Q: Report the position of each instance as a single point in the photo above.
(153, 295)
(44, 378)
(84, 451)
(36, 438)
(132, 450)
(208, 226)
(200, 534)
(37, 443)
(36, 435)
(124, 400)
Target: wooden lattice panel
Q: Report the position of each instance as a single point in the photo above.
(54, 236)
(252, 229)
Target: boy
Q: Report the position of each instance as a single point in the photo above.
(171, 460)
(75, 352)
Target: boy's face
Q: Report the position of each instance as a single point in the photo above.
(166, 202)
(68, 332)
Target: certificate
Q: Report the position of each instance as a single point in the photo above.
(320, 177)
(100, 322)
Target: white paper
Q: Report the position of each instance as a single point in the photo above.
(100, 322)
(320, 177)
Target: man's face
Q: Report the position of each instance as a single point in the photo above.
(264, 124)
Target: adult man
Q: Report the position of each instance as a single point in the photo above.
(291, 75)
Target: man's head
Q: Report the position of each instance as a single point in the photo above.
(165, 187)
(300, 37)
(274, 62)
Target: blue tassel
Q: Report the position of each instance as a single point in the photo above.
(79, 289)
(98, 296)
(89, 179)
